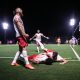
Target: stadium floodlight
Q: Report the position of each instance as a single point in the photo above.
(5, 25)
(72, 22)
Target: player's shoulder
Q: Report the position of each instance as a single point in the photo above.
(36, 33)
(50, 50)
(16, 16)
(41, 33)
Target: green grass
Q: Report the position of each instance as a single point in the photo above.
(69, 71)
(77, 48)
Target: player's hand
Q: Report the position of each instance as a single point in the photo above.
(30, 39)
(26, 35)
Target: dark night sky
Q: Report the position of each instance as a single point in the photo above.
(52, 18)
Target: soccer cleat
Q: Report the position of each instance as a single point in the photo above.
(14, 64)
(29, 66)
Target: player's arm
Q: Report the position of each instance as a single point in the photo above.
(33, 37)
(20, 27)
(45, 36)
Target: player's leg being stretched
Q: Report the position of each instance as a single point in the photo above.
(42, 46)
(37, 46)
(60, 59)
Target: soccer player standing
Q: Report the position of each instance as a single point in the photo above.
(58, 41)
(37, 37)
(21, 38)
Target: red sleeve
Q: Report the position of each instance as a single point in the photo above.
(50, 51)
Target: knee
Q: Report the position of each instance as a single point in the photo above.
(24, 49)
(42, 47)
(21, 49)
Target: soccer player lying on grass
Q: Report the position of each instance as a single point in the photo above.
(47, 57)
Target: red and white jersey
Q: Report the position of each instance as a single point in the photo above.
(37, 58)
(40, 57)
(38, 36)
(50, 53)
(43, 56)
(17, 18)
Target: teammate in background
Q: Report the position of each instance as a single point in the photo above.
(0, 42)
(21, 38)
(47, 57)
(37, 38)
(58, 41)
(78, 41)
(67, 41)
(73, 41)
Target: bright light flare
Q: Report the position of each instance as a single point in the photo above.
(72, 22)
(5, 25)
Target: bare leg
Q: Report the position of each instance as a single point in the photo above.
(61, 60)
(42, 46)
(14, 62)
(25, 56)
(38, 49)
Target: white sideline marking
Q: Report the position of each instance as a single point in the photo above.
(68, 58)
(13, 57)
(6, 57)
(75, 53)
(73, 60)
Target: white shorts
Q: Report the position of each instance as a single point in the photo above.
(40, 44)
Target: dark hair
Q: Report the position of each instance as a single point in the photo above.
(55, 56)
(48, 61)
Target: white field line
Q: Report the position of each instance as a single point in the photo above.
(76, 54)
(6, 57)
(73, 60)
(13, 57)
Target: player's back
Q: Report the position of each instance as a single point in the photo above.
(16, 19)
(41, 57)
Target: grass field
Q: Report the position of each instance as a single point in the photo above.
(69, 71)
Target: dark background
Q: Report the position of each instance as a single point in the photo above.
(52, 18)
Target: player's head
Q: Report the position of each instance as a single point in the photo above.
(19, 10)
(38, 31)
(73, 36)
(48, 61)
(54, 56)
